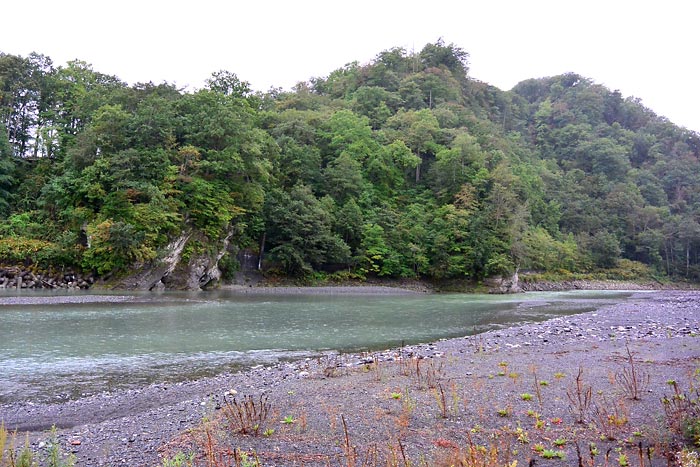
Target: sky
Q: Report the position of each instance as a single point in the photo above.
(645, 49)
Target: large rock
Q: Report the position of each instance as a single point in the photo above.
(190, 262)
(504, 285)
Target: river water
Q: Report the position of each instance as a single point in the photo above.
(57, 347)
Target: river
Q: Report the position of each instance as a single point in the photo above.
(57, 347)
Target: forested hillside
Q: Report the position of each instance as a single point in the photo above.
(403, 167)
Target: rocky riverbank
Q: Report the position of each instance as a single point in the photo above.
(429, 400)
(14, 277)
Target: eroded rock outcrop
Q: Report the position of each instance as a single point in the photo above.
(189, 262)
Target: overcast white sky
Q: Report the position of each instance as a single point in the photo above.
(646, 49)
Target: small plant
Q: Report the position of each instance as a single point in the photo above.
(288, 420)
(622, 460)
(180, 460)
(248, 415)
(396, 395)
(544, 383)
(522, 435)
(552, 454)
(54, 455)
(632, 380)
(609, 418)
(269, 432)
(504, 411)
(559, 442)
(559, 375)
(682, 412)
(526, 396)
(580, 397)
(446, 409)
(538, 448)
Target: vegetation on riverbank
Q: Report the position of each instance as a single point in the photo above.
(421, 413)
(403, 167)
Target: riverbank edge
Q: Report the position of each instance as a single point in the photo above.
(16, 277)
(122, 435)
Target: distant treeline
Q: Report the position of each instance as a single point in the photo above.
(402, 167)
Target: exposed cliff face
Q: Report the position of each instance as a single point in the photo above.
(504, 285)
(190, 262)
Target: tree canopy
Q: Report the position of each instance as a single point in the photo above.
(401, 167)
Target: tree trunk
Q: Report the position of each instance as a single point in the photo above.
(262, 249)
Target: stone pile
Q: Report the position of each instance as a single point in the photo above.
(20, 278)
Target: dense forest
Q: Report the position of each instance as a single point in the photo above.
(402, 167)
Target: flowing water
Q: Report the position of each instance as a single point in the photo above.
(55, 347)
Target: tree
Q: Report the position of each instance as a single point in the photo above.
(454, 58)
(299, 232)
(419, 130)
(6, 174)
(228, 84)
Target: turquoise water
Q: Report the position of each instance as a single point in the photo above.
(54, 351)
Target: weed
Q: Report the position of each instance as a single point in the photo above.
(504, 411)
(301, 421)
(579, 396)
(609, 418)
(497, 454)
(559, 442)
(544, 383)
(376, 369)
(526, 396)
(552, 454)
(538, 448)
(622, 460)
(409, 404)
(521, 435)
(427, 377)
(288, 420)
(559, 375)
(247, 416)
(396, 395)
(180, 460)
(269, 432)
(439, 394)
(632, 380)
(55, 455)
(592, 452)
(682, 411)
(25, 457)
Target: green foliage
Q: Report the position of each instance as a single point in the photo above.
(19, 249)
(400, 167)
(114, 246)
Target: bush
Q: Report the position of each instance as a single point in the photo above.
(23, 250)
